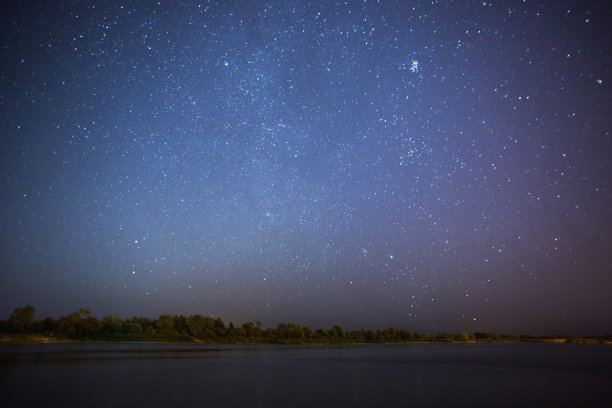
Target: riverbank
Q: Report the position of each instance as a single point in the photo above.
(39, 339)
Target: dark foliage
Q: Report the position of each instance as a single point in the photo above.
(81, 326)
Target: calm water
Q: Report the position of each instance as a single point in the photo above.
(413, 375)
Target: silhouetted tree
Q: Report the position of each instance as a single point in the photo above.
(148, 329)
(180, 325)
(370, 335)
(48, 325)
(420, 336)
(294, 331)
(463, 336)
(22, 319)
(321, 334)
(392, 334)
(251, 330)
(357, 335)
(164, 326)
(405, 335)
(219, 328)
(78, 325)
(337, 332)
(195, 324)
(270, 335)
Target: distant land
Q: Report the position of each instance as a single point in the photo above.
(22, 327)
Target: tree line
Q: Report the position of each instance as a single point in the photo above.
(81, 326)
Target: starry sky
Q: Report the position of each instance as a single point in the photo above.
(435, 166)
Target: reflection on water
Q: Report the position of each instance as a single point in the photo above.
(412, 375)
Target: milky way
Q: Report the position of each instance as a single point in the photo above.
(436, 166)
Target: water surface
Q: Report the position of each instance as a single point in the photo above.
(407, 375)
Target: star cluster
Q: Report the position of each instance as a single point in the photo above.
(429, 165)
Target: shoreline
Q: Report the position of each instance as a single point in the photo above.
(34, 339)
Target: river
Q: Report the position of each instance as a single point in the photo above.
(406, 375)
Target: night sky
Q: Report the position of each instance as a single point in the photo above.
(435, 166)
